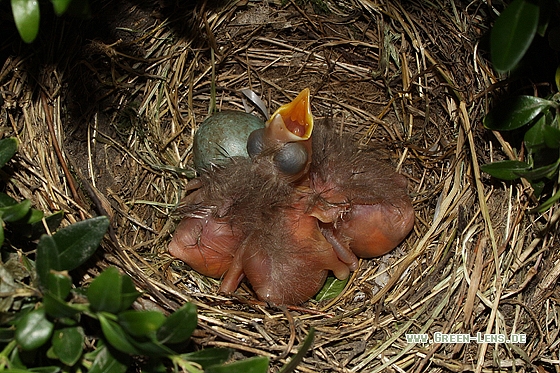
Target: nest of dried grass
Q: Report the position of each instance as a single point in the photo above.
(106, 127)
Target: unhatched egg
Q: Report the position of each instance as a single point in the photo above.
(223, 136)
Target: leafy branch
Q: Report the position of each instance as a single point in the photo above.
(511, 37)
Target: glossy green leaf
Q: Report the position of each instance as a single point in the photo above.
(23, 229)
(208, 356)
(70, 247)
(8, 147)
(515, 112)
(305, 346)
(129, 294)
(104, 362)
(51, 354)
(16, 212)
(15, 359)
(331, 289)
(534, 138)
(116, 336)
(56, 307)
(178, 326)
(26, 17)
(77, 242)
(513, 33)
(548, 171)
(104, 292)
(548, 203)
(505, 170)
(152, 348)
(53, 222)
(6, 200)
(60, 6)
(34, 216)
(33, 330)
(538, 187)
(141, 323)
(552, 137)
(256, 364)
(1, 232)
(58, 284)
(68, 344)
(47, 369)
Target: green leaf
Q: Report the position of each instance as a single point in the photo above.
(305, 346)
(53, 222)
(152, 348)
(116, 336)
(1, 232)
(547, 171)
(26, 17)
(258, 364)
(77, 242)
(56, 307)
(557, 78)
(70, 247)
(331, 289)
(552, 137)
(141, 323)
(513, 33)
(548, 203)
(35, 216)
(16, 212)
(33, 330)
(104, 292)
(537, 186)
(129, 294)
(47, 369)
(6, 200)
(8, 147)
(68, 344)
(515, 112)
(208, 356)
(534, 138)
(60, 6)
(505, 170)
(59, 284)
(179, 326)
(104, 362)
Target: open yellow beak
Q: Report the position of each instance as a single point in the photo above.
(292, 122)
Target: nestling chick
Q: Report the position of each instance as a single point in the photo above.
(299, 207)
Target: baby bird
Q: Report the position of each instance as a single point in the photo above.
(304, 203)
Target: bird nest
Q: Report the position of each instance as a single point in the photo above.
(106, 118)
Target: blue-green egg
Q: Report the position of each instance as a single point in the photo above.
(223, 136)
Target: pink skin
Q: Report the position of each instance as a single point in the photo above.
(287, 274)
(361, 228)
(208, 245)
(286, 232)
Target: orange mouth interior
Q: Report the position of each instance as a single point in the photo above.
(296, 117)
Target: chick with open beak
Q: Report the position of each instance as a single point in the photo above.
(299, 207)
